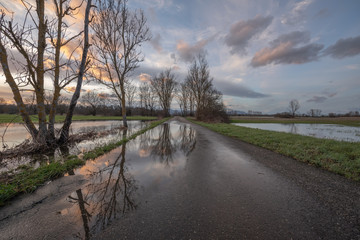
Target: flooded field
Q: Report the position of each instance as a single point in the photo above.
(16, 134)
(326, 131)
(117, 180)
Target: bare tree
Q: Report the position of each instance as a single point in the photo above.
(92, 99)
(182, 97)
(199, 81)
(64, 136)
(38, 59)
(130, 91)
(293, 107)
(315, 112)
(118, 35)
(164, 86)
(147, 97)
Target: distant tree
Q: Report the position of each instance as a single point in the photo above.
(91, 99)
(164, 86)
(130, 91)
(315, 112)
(199, 81)
(2, 100)
(147, 98)
(206, 98)
(293, 107)
(182, 96)
(118, 35)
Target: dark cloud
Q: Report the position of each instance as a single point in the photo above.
(242, 31)
(155, 43)
(187, 52)
(344, 48)
(237, 90)
(284, 50)
(317, 99)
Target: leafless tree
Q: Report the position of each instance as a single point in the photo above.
(315, 112)
(207, 99)
(164, 86)
(147, 97)
(185, 99)
(38, 59)
(64, 135)
(199, 81)
(130, 91)
(118, 35)
(293, 107)
(92, 99)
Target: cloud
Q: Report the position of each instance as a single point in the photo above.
(242, 32)
(187, 52)
(284, 50)
(144, 77)
(72, 89)
(347, 47)
(155, 43)
(231, 88)
(297, 13)
(353, 67)
(317, 99)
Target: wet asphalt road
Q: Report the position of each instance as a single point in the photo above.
(227, 190)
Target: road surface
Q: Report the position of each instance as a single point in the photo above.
(225, 189)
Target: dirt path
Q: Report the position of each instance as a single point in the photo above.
(226, 189)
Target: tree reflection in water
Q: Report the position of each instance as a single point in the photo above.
(163, 147)
(111, 192)
(112, 189)
(170, 138)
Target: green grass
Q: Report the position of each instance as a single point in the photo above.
(6, 118)
(29, 179)
(336, 156)
(348, 121)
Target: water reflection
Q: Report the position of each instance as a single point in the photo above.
(114, 134)
(327, 131)
(109, 193)
(117, 181)
(162, 144)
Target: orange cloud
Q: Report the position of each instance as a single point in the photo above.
(144, 77)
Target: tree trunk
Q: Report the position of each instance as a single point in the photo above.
(40, 9)
(64, 136)
(123, 106)
(51, 128)
(17, 96)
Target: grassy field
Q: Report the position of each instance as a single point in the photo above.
(28, 179)
(336, 156)
(348, 121)
(6, 118)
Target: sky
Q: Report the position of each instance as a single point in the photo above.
(261, 54)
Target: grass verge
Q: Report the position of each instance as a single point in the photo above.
(336, 156)
(6, 118)
(29, 179)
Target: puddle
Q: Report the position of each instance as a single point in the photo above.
(117, 181)
(325, 131)
(35, 160)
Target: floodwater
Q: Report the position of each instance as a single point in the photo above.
(326, 131)
(16, 134)
(117, 180)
